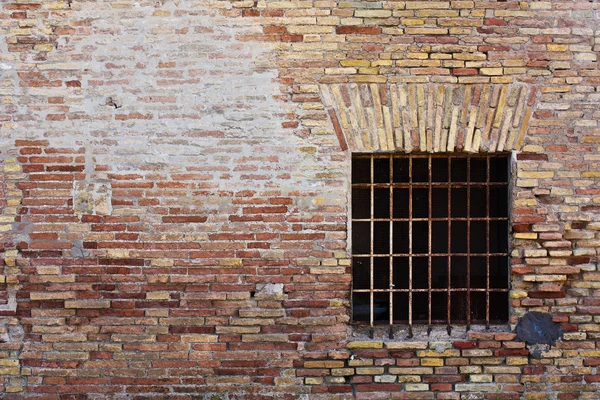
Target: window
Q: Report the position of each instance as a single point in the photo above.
(430, 239)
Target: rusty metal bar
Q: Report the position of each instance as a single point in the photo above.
(433, 290)
(440, 254)
(425, 185)
(372, 245)
(429, 244)
(487, 244)
(391, 249)
(468, 243)
(410, 248)
(449, 246)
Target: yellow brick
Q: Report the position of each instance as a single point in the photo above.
(368, 71)
(491, 71)
(516, 360)
(334, 364)
(27, 23)
(20, 32)
(369, 370)
(51, 295)
(382, 63)
(365, 345)
(412, 22)
(342, 371)
(426, 5)
(355, 63)
(314, 364)
(432, 362)
(406, 345)
(118, 253)
(437, 13)
(158, 296)
(526, 203)
(445, 353)
(161, 262)
(409, 379)
(230, 262)
(87, 304)
(426, 31)
(43, 47)
(284, 381)
(368, 79)
(556, 89)
(527, 182)
(57, 5)
(590, 353)
(480, 378)
(328, 270)
(12, 168)
(9, 363)
(373, 13)
(535, 174)
(48, 270)
(10, 371)
(527, 235)
(313, 381)
(411, 371)
(557, 47)
(360, 362)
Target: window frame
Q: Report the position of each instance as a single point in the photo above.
(503, 290)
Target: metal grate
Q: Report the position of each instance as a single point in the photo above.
(430, 239)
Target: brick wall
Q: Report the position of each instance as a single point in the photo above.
(175, 196)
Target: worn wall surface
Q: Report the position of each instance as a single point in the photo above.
(174, 194)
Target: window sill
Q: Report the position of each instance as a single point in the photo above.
(438, 333)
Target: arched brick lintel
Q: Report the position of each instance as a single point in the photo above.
(429, 117)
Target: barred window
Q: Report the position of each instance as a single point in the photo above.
(430, 239)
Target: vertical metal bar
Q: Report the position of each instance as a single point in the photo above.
(410, 246)
(429, 246)
(487, 243)
(372, 244)
(468, 242)
(508, 223)
(391, 216)
(449, 243)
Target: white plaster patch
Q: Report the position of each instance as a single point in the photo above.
(92, 198)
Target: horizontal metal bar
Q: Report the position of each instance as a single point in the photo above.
(431, 155)
(400, 323)
(427, 219)
(444, 290)
(425, 185)
(429, 254)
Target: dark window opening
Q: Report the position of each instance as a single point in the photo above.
(430, 239)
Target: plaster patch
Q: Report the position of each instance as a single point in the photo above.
(92, 198)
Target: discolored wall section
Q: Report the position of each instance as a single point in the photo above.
(175, 222)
